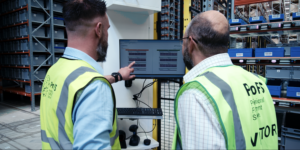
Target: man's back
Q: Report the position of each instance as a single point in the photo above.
(241, 112)
(61, 83)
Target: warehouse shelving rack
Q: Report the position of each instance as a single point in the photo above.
(170, 20)
(46, 43)
(265, 29)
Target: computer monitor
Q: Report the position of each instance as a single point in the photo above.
(154, 58)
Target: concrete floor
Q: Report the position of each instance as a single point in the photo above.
(19, 127)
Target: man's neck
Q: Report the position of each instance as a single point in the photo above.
(84, 45)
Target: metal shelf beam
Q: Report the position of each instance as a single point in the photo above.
(287, 27)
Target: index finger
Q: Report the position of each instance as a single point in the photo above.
(131, 64)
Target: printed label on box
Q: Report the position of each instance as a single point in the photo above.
(298, 14)
(235, 20)
(255, 18)
(239, 54)
(275, 16)
(278, 70)
(298, 93)
(55, 31)
(268, 53)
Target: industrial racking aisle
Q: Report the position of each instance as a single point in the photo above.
(32, 39)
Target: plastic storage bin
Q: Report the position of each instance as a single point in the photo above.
(290, 131)
(296, 16)
(58, 46)
(296, 72)
(15, 18)
(17, 46)
(57, 6)
(58, 33)
(25, 60)
(280, 72)
(37, 47)
(15, 4)
(243, 52)
(18, 73)
(269, 52)
(12, 60)
(41, 73)
(22, 3)
(37, 87)
(15, 31)
(24, 45)
(39, 59)
(58, 20)
(18, 60)
(237, 22)
(57, 57)
(25, 74)
(295, 51)
(259, 19)
(276, 18)
(34, 3)
(23, 31)
(293, 89)
(37, 16)
(40, 32)
(23, 17)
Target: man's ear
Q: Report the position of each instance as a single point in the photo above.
(191, 45)
(98, 29)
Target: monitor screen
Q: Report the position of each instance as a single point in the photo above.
(154, 58)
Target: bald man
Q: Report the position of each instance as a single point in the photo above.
(221, 106)
(78, 106)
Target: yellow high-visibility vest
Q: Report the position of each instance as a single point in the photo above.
(62, 83)
(243, 105)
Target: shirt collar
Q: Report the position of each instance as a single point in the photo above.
(73, 53)
(213, 61)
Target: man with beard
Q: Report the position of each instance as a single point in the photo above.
(221, 106)
(78, 106)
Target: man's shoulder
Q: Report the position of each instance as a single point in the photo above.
(191, 91)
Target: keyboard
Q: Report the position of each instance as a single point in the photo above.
(140, 111)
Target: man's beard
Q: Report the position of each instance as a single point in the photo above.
(102, 51)
(187, 59)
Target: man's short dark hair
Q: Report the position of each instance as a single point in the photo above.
(77, 12)
(210, 42)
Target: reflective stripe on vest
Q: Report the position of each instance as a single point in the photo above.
(51, 141)
(113, 139)
(62, 105)
(228, 96)
(63, 139)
